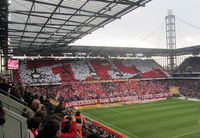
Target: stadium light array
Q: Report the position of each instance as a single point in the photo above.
(71, 56)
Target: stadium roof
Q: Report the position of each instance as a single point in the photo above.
(37, 25)
(188, 50)
(95, 51)
(44, 27)
(103, 51)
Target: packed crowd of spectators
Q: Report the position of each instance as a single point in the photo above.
(14, 88)
(39, 71)
(44, 74)
(44, 118)
(81, 91)
(56, 121)
(41, 114)
(96, 131)
(100, 90)
(188, 88)
(191, 64)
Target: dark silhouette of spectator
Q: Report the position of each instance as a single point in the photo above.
(33, 126)
(51, 129)
(60, 108)
(4, 85)
(2, 114)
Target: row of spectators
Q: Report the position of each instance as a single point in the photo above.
(40, 71)
(80, 91)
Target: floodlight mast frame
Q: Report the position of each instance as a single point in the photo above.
(170, 21)
(4, 40)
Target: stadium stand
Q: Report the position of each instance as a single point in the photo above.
(191, 64)
(103, 90)
(77, 92)
(40, 107)
(78, 82)
(188, 87)
(45, 92)
(59, 71)
(72, 93)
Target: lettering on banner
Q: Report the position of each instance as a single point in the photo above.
(129, 98)
(117, 99)
(79, 103)
(158, 95)
(166, 94)
(148, 96)
(104, 101)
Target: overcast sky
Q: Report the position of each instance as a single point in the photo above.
(145, 26)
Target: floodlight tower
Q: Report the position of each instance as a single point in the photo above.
(171, 41)
(4, 41)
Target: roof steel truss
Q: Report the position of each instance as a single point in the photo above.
(38, 24)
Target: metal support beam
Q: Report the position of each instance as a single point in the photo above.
(29, 13)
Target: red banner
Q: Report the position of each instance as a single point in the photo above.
(129, 99)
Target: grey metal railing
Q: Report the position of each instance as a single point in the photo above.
(14, 127)
(13, 97)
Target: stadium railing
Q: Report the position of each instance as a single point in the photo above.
(13, 97)
(14, 127)
(12, 105)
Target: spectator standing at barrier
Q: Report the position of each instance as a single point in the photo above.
(4, 85)
(2, 119)
(2, 114)
(69, 128)
(79, 122)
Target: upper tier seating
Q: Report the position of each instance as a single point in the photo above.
(59, 71)
(191, 64)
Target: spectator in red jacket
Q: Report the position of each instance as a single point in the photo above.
(72, 132)
(69, 128)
